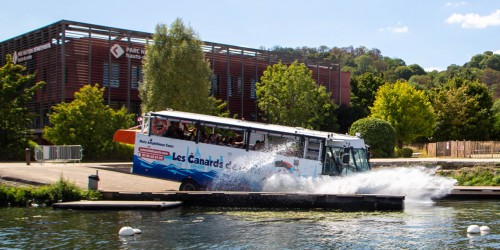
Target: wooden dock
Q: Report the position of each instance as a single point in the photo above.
(109, 204)
(466, 192)
(270, 200)
(263, 200)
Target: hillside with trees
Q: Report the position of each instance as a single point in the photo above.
(464, 98)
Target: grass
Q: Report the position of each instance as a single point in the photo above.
(62, 190)
(474, 176)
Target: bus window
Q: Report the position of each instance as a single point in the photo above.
(332, 164)
(361, 159)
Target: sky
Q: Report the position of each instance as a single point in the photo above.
(431, 33)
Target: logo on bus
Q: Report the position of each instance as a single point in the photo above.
(154, 154)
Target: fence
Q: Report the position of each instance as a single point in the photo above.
(65, 153)
(464, 149)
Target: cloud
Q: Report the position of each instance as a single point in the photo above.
(472, 20)
(430, 69)
(455, 4)
(496, 52)
(395, 29)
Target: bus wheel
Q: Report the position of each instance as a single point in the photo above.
(188, 185)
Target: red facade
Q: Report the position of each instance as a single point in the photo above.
(67, 55)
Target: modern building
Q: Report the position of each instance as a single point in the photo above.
(67, 55)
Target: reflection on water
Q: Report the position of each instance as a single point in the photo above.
(420, 226)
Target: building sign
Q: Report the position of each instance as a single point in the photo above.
(130, 52)
(117, 50)
(27, 54)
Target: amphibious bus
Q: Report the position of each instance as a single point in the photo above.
(216, 153)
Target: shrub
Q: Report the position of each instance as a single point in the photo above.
(378, 134)
(404, 152)
(121, 152)
(62, 190)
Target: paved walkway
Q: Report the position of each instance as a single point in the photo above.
(114, 177)
(110, 180)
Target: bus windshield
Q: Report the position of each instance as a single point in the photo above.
(345, 160)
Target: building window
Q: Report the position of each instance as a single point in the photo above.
(252, 88)
(215, 85)
(137, 76)
(230, 86)
(240, 86)
(113, 79)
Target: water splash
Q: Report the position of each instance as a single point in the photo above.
(255, 172)
(247, 173)
(417, 183)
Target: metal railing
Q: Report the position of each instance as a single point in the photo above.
(58, 153)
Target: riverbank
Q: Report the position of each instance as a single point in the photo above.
(444, 163)
(116, 177)
(112, 176)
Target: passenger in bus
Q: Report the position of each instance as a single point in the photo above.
(211, 139)
(189, 134)
(214, 139)
(175, 131)
(232, 142)
(259, 145)
(227, 140)
(171, 129)
(179, 133)
(203, 136)
(238, 142)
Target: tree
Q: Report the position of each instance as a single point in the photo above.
(403, 72)
(16, 90)
(408, 110)
(176, 73)
(417, 70)
(290, 96)
(477, 61)
(422, 82)
(87, 121)
(463, 110)
(363, 89)
(495, 131)
(493, 62)
(365, 64)
(378, 134)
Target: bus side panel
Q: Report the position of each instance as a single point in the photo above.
(176, 160)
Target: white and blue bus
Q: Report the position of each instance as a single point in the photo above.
(202, 151)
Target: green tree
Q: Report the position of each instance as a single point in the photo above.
(16, 89)
(378, 134)
(408, 110)
(394, 62)
(363, 90)
(365, 64)
(477, 61)
(290, 96)
(403, 72)
(346, 116)
(422, 82)
(176, 73)
(463, 110)
(493, 62)
(416, 70)
(87, 121)
(495, 109)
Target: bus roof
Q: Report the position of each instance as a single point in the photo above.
(242, 124)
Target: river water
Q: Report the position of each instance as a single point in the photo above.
(440, 225)
(424, 223)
